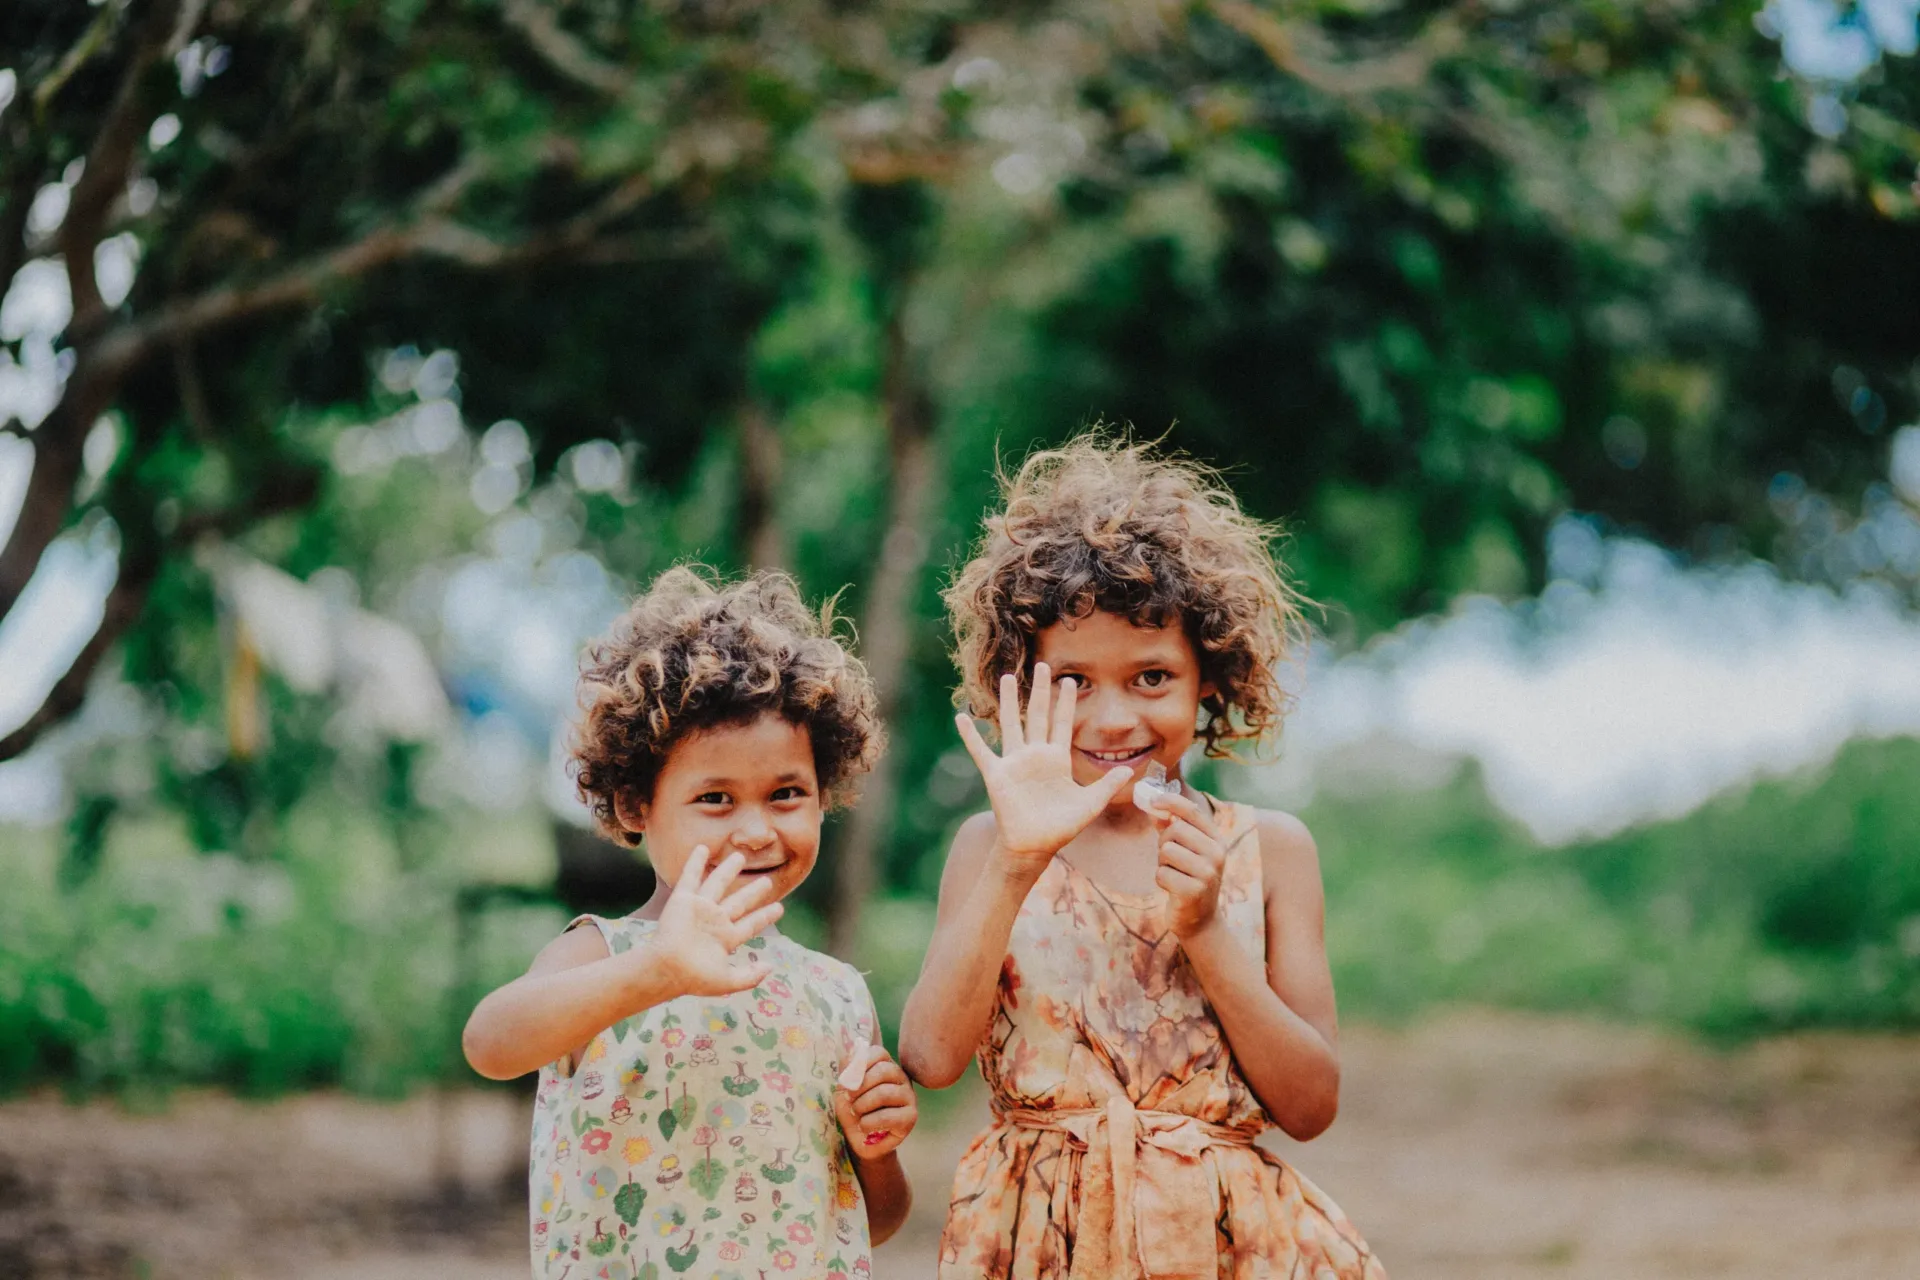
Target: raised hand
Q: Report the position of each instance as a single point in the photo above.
(1191, 863)
(874, 1103)
(1036, 802)
(702, 926)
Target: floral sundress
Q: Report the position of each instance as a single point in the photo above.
(698, 1136)
(1122, 1137)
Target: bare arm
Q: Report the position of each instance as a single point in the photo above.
(980, 895)
(574, 989)
(995, 860)
(1279, 1018)
(877, 1110)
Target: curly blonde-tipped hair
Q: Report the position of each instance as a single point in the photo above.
(1104, 523)
(695, 652)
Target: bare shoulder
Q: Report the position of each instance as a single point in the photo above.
(577, 946)
(1289, 858)
(972, 841)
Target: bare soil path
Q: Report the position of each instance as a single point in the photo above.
(1474, 1147)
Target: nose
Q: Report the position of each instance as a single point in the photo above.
(753, 833)
(1105, 715)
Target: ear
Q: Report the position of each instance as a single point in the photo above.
(630, 812)
(1208, 690)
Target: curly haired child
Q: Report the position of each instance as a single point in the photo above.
(1141, 971)
(713, 1096)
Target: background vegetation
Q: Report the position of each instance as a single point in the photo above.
(469, 317)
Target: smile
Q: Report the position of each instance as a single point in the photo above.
(1122, 755)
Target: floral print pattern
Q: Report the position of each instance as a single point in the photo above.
(1122, 1142)
(698, 1137)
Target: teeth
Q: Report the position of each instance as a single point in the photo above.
(1116, 755)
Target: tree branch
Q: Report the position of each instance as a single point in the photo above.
(124, 603)
(562, 51)
(56, 468)
(128, 597)
(91, 41)
(109, 161)
(431, 236)
(1405, 68)
(19, 202)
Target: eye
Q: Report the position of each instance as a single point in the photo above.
(791, 793)
(711, 797)
(1153, 679)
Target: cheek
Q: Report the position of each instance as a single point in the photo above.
(801, 832)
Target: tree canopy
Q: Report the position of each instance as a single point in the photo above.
(350, 286)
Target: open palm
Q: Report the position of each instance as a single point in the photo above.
(1036, 802)
(702, 926)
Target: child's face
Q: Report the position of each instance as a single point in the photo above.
(748, 787)
(1140, 692)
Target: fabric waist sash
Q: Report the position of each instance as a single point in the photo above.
(1148, 1201)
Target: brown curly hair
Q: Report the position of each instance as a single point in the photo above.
(1110, 524)
(695, 652)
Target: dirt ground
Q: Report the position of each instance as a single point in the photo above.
(1476, 1146)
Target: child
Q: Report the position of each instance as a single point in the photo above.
(713, 1096)
(1142, 972)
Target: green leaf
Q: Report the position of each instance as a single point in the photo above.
(628, 1201)
(707, 1177)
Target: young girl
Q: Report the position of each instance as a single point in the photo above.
(1141, 972)
(713, 1096)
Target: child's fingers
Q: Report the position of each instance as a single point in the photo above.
(975, 744)
(879, 1097)
(746, 897)
(745, 975)
(854, 1073)
(1040, 704)
(893, 1120)
(1186, 861)
(1011, 736)
(754, 923)
(694, 872)
(879, 1069)
(1109, 786)
(1183, 807)
(1181, 832)
(722, 877)
(1177, 882)
(1062, 735)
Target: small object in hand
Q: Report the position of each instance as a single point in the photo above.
(1153, 786)
(856, 1069)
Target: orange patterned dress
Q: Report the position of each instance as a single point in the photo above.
(1122, 1140)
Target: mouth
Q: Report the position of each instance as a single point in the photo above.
(1128, 756)
(763, 868)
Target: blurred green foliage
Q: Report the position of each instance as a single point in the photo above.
(1795, 904)
(1423, 277)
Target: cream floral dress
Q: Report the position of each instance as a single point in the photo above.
(699, 1138)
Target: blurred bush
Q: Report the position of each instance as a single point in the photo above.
(1795, 904)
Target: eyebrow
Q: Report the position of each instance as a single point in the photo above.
(1143, 663)
(785, 779)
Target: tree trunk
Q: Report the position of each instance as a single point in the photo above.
(886, 625)
(762, 538)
